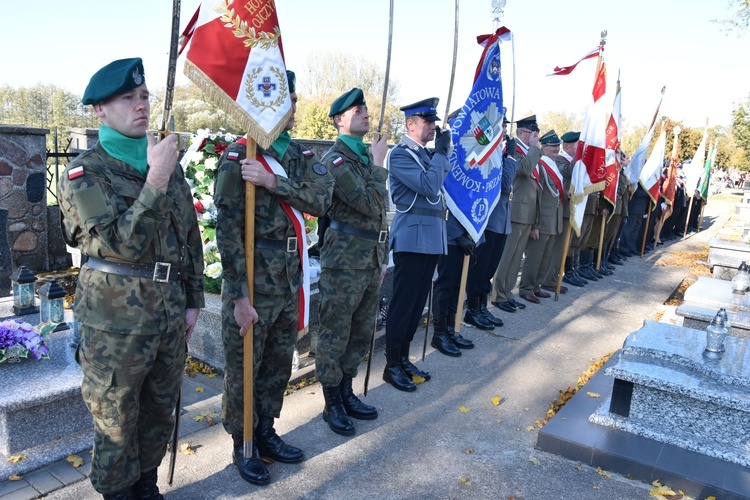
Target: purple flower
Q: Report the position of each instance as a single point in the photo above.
(39, 351)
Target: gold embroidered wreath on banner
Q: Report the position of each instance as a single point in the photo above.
(250, 81)
(241, 29)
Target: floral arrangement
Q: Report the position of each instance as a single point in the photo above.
(18, 339)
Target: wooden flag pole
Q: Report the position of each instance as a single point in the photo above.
(645, 233)
(602, 42)
(247, 358)
(461, 289)
(687, 219)
(561, 272)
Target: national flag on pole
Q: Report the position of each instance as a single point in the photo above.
(633, 169)
(566, 70)
(612, 158)
(706, 181)
(694, 170)
(669, 187)
(472, 187)
(650, 177)
(236, 58)
(589, 162)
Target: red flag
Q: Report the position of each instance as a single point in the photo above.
(236, 58)
(650, 175)
(566, 70)
(669, 187)
(612, 166)
(589, 162)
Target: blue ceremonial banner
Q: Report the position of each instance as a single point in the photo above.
(472, 187)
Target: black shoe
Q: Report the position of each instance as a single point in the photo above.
(409, 368)
(394, 374)
(442, 343)
(354, 407)
(571, 280)
(553, 289)
(517, 304)
(458, 340)
(124, 494)
(505, 306)
(475, 318)
(626, 253)
(490, 317)
(270, 445)
(145, 488)
(252, 469)
(604, 271)
(577, 274)
(334, 413)
(609, 265)
(614, 260)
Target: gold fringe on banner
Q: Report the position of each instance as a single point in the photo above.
(227, 104)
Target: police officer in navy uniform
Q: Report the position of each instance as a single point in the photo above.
(418, 232)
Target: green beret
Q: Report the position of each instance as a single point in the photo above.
(355, 97)
(114, 79)
(570, 136)
(550, 139)
(292, 80)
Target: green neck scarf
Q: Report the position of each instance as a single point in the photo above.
(281, 144)
(126, 149)
(357, 145)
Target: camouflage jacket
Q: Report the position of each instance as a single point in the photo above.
(359, 196)
(308, 188)
(110, 212)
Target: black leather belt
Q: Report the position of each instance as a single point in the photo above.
(288, 245)
(429, 212)
(160, 272)
(379, 236)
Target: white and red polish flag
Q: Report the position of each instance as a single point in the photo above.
(590, 159)
(638, 160)
(236, 58)
(650, 176)
(566, 70)
(612, 162)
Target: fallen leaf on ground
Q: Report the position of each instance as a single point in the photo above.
(465, 480)
(579, 467)
(198, 418)
(496, 400)
(211, 375)
(534, 460)
(309, 393)
(210, 421)
(530, 428)
(185, 449)
(468, 451)
(14, 459)
(463, 409)
(593, 394)
(74, 460)
(14, 477)
(602, 472)
(417, 379)
(200, 389)
(661, 491)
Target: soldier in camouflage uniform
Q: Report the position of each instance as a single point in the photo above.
(127, 206)
(278, 276)
(354, 257)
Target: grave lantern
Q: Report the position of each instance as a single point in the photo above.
(716, 334)
(23, 292)
(51, 295)
(741, 280)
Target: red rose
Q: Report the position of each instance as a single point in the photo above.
(220, 147)
(203, 144)
(199, 207)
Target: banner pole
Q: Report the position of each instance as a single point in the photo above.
(247, 357)
(453, 64)
(387, 69)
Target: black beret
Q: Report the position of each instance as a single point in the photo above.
(114, 79)
(355, 97)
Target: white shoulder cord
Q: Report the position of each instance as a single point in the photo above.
(416, 195)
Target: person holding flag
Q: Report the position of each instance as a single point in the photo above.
(287, 176)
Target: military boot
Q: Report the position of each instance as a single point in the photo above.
(145, 488)
(394, 373)
(577, 268)
(354, 407)
(124, 494)
(409, 368)
(486, 312)
(587, 267)
(270, 445)
(335, 414)
(440, 340)
(569, 276)
(458, 340)
(474, 316)
(252, 469)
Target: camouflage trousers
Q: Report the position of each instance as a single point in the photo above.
(273, 346)
(130, 385)
(349, 300)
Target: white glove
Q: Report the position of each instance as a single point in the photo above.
(663, 206)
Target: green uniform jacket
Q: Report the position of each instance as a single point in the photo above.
(359, 197)
(565, 167)
(112, 213)
(308, 187)
(623, 195)
(551, 212)
(525, 205)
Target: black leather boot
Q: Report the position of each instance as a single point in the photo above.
(124, 494)
(570, 276)
(587, 267)
(409, 368)
(335, 414)
(271, 446)
(252, 469)
(440, 340)
(354, 407)
(458, 340)
(394, 373)
(474, 316)
(486, 312)
(577, 268)
(145, 488)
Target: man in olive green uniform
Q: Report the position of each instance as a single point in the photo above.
(353, 257)
(539, 251)
(613, 224)
(287, 178)
(125, 203)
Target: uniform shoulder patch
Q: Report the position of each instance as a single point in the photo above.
(75, 172)
(338, 161)
(319, 169)
(233, 155)
(307, 153)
